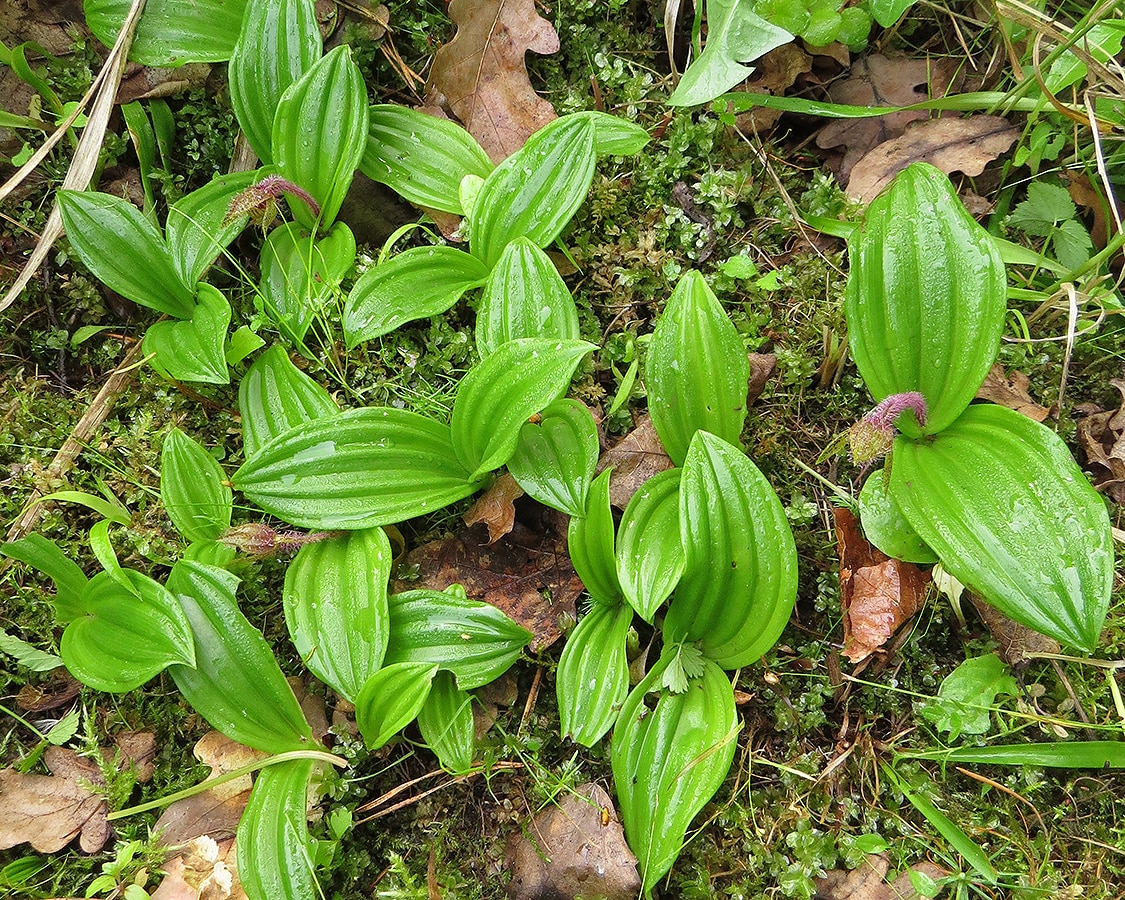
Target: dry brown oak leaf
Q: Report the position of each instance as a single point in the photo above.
(1102, 433)
(482, 77)
(1011, 391)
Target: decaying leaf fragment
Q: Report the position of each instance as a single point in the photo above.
(867, 882)
(495, 508)
(1102, 433)
(635, 459)
(1011, 391)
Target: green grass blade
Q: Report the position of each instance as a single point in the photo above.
(1071, 755)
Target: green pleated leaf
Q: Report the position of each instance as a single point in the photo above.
(335, 601)
(126, 636)
(555, 459)
(592, 680)
(423, 158)
(590, 543)
(696, 371)
(419, 282)
(320, 132)
(359, 469)
(274, 396)
(524, 297)
(670, 753)
(614, 136)
(300, 274)
(124, 251)
(211, 553)
(45, 556)
(650, 550)
(171, 32)
(446, 723)
(535, 191)
(391, 699)
(501, 393)
(195, 227)
(473, 640)
(192, 489)
(1003, 504)
(279, 42)
(237, 685)
(926, 296)
(274, 850)
(740, 578)
(193, 350)
(885, 525)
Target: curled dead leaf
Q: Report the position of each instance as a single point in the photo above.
(635, 459)
(496, 508)
(1011, 391)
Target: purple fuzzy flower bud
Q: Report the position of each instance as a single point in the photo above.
(874, 434)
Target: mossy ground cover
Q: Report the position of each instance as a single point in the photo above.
(808, 788)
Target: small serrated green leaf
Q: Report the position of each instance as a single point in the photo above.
(26, 655)
(964, 698)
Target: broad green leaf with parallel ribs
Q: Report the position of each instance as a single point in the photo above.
(125, 636)
(1001, 501)
(195, 229)
(614, 136)
(501, 393)
(236, 685)
(319, 134)
(473, 640)
(45, 556)
(274, 396)
(171, 32)
(536, 190)
(650, 549)
(740, 577)
(335, 601)
(419, 282)
(446, 723)
(524, 297)
(423, 158)
(274, 850)
(391, 699)
(124, 251)
(193, 489)
(592, 680)
(696, 371)
(926, 297)
(590, 543)
(279, 42)
(358, 469)
(885, 525)
(555, 459)
(670, 753)
(193, 350)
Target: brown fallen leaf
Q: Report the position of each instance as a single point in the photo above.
(635, 459)
(58, 691)
(525, 574)
(762, 367)
(953, 144)
(867, 882)
(496, 508)
(575, 849)
(482, 76)
(1011, 391)
(1102, 434)
(206, 870)
(1015, 641)
(774, 74)
(877, 594)
(150, 82)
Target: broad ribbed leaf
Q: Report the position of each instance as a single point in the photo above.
(360, 469)
(494, 400)
(274, 850)
(236, 685)
(124, 250)
(473, 640)
(1003, 504)
(195, 227)
(592, 680)
(614, 136)
(670, 753)
(193, 350)
(524, 297)
(45, 556)
(535, 191)
(885, 525)
(650, 550)
(192, 489)
(319, 133)
(423, 158)
(274, 396)
(740, 578)
(279, 42)
(124, 637)
(391, 699)
(554, 460)
(300, 273)
(419, 282)
(696, 371)
(171, 32)
(335, 601)
(590, 543)
(926, 297)
(446, 723)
